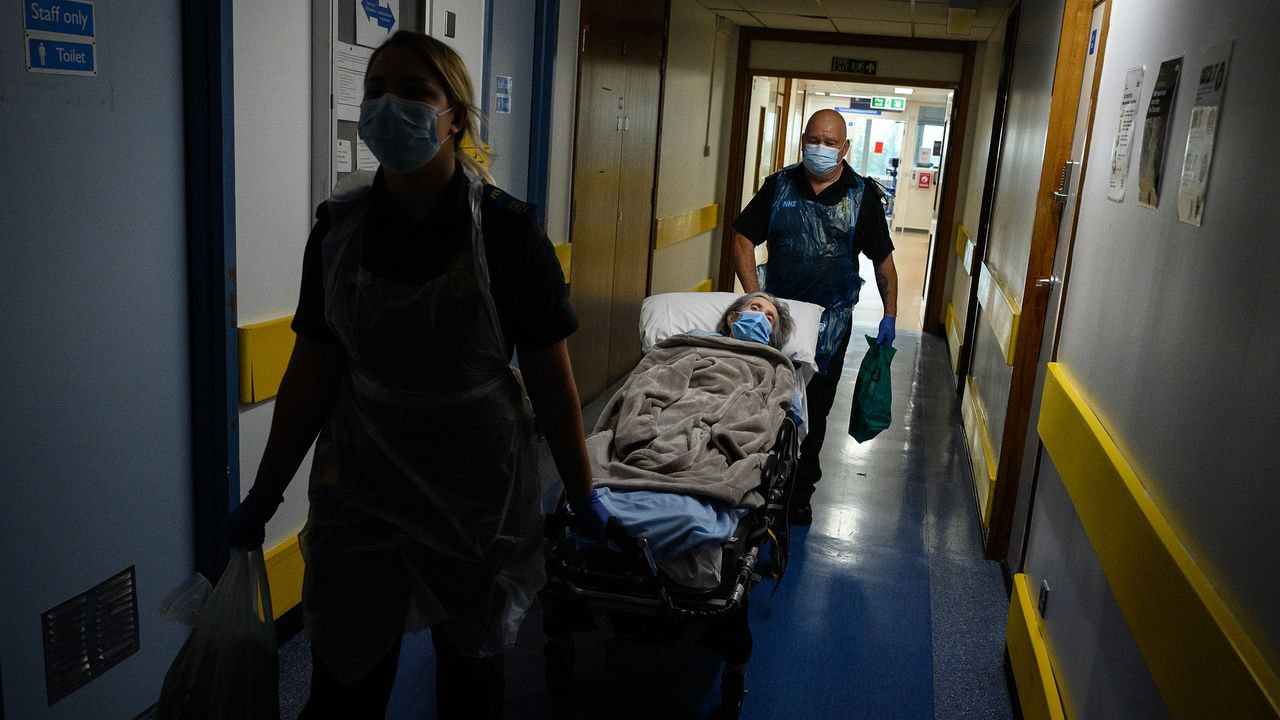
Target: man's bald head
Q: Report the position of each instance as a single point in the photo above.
(827, 124)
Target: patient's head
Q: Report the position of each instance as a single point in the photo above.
(774, 310)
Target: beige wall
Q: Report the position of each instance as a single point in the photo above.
(564, 97)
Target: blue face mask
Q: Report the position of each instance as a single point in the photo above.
(400, 133)
(820, 159)
(752, 325)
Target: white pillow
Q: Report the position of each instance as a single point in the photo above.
(662, 316)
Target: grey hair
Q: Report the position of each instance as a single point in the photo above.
(780, 334)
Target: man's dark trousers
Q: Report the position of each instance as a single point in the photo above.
(821, 393)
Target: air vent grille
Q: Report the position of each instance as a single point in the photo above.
(89, 634)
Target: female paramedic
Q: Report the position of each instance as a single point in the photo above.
(425, 501)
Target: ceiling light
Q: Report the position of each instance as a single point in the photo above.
(818, 92)
(842, 95)
(904, 91)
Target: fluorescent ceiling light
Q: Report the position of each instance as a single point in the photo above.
(904, 91)
(818, 92)
(842, 95)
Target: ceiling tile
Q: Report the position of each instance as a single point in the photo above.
(738, 17)
(782, 7)
(872, 27)
(989, 16)
(720, 4)
(869, 9)
(980, 34)
(931, 14)
(931, 30)
(795, 22)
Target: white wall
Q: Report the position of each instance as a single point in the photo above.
(1168, 328)
(272, 62)
(95, 461)
(563, 108)
(511, 55)
(469, 30)
(892, 63)
(686, 179)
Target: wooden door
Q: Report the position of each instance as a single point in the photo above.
(643, 41)
(596, 178)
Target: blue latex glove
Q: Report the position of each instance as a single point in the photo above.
(590, 516)
(247, 524)
(887, 332)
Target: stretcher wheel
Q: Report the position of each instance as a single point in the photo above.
(733, 689)
(558, 653)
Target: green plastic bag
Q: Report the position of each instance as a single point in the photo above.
(228, 667)
(873, 393)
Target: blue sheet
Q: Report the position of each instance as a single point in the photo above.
(675, 525)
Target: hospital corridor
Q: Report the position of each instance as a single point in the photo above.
(692, 359)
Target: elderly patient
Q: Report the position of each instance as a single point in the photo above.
(758, 316)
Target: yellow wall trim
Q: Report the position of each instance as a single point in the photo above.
(682, 226)
(564, 253)
(981, 452)
(1029, 658)
(284, 575)
(953, 337)
(265, 348)
(704, 286)
(1000, 309)
(1203, 663)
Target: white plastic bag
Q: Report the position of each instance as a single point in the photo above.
(184, 604)
(229, 667)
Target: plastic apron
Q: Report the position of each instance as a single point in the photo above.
(424, 491)
(812, 257)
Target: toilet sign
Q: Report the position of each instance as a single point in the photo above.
(60, 37)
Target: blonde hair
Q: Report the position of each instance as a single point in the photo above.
(452, 70)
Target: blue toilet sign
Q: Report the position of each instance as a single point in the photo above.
(60, 37)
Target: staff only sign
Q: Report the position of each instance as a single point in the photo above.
(60, 37)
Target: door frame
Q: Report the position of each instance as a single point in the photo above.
(208, 127)
(1067, 78)
(1065, 278)
(944, 237)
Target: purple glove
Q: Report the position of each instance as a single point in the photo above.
(887, 333)
(590, 516)
(247, 524)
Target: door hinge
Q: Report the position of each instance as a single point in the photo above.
(1064, 182)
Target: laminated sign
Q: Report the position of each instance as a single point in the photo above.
(1155, 132)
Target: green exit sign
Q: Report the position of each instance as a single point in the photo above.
(889, 103)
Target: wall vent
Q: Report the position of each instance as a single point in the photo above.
(89, 634)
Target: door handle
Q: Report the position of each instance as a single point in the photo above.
(1049, 281)
(1064, 182)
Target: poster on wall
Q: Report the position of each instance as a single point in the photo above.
(1155, 132)
(1123, 149)
(376, 20)
(349, 63)
(1200, 136)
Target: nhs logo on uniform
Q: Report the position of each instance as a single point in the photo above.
(60, 37)
(789, 203)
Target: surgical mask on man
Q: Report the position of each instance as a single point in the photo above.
(820, 159)
(400, 133)
(752, 325)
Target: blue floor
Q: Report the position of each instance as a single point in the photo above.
(887, 610)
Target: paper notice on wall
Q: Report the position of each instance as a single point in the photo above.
(376, 20)
(349, 63)
(1200, 136)
(1155, 132)
(342, 156)
(364, 157)
(1123, 149)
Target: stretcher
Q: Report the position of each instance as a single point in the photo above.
(644, 613)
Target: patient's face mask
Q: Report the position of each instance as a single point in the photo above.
(400, 133)
(752, 325)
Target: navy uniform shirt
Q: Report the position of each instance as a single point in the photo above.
(524, 275)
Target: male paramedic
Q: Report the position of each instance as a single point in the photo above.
(816, 216)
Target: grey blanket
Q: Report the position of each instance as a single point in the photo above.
(697, 416)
